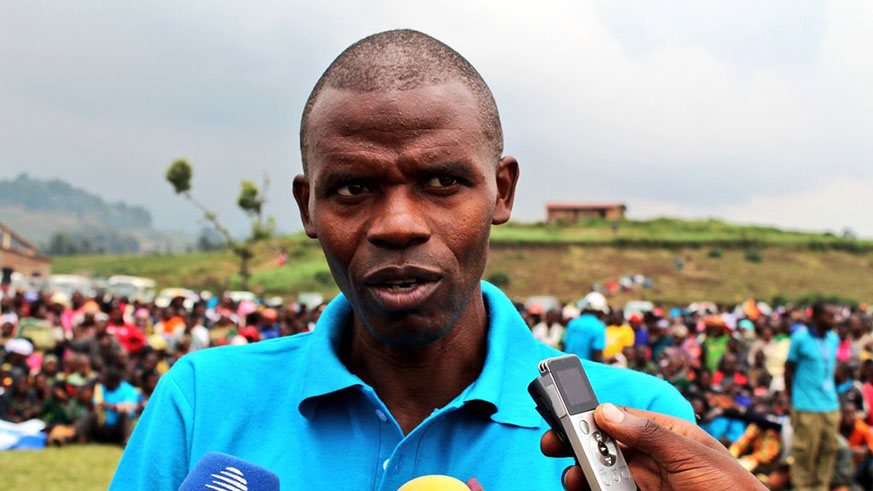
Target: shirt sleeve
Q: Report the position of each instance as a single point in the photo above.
(598, 339)
(669, 401)
(794, 348)
(157, 455)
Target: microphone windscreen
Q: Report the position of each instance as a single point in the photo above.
(222, 472)
(434, 483)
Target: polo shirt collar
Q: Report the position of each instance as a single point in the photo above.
(510, 362)
(323, 371)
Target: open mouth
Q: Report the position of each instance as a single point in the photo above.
(401, 285)
(401, 288)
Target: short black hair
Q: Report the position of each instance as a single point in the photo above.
(404, 59)
(819, 307)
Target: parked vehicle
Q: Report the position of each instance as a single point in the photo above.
(546, 302)
(132, 287)
(310, 299)
(239, 295)
(637, 307)
(69, 284)
(166, 296)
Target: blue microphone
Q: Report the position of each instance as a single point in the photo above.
(222, 472)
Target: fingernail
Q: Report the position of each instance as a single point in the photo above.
(475, 485)
(564, 476)
(612, 413)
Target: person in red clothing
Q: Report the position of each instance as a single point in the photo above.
(727, 373)
(129, 335)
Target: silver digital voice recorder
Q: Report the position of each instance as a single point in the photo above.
(566, 401)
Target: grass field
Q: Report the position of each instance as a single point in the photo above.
(723, 262)
(71, 468)
(671, 232)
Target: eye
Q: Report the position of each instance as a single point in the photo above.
(442, 182)
(353, 189)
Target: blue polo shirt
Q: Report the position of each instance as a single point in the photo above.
(292, 406)
(585, 334)
(812, 388)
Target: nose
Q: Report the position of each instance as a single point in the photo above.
(399, 222)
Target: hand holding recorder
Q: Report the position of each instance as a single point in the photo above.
(662, 452)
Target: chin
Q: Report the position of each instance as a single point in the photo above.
(399, 335)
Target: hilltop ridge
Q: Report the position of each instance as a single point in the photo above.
(54, 215)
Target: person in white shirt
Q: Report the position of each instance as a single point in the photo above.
(549, 330)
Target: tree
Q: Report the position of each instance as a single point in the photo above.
(251, 200)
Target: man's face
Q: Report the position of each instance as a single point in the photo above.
(401, 190)
(828, 318)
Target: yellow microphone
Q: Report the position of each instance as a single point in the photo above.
(434, 483)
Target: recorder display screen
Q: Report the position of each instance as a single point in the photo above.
(575, 389)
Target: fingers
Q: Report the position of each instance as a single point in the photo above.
(610, 418)
(649, 432)
(574, 480)
(552, 446)
(474, 484)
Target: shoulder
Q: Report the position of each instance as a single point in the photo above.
(264, 358)
(626, 387)
(801, 334)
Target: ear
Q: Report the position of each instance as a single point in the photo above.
(507, 178)
(301, 195)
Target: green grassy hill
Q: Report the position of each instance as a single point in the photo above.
(722, 262)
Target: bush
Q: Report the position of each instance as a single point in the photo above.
(779, 299)
(815, 245)
(753, 256)
(323, 278)
(715, 253)
(499, 279)
(810, 299)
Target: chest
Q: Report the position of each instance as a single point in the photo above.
(814, 351)
(359, 447)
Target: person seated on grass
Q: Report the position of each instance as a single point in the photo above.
(760, 445)
(116, 404)
(20, 402)
(62, 410)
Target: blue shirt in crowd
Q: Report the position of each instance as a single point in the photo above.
(123, 393)
(291, 406)
(585, 334)
(812, 388)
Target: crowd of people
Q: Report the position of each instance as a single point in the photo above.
(86, 366)
(737, 366)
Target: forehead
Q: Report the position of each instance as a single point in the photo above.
(437, 118)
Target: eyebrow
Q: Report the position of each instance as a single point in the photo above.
(452, 167)
(334, 177)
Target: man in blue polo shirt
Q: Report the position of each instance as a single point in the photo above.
(586, 334)
(815, 415)
(418, 367)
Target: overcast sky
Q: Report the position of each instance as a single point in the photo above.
(748, 111)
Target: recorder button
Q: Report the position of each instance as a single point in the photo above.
(583, 425)
(598, 436)
(602, 448)
(615, 476)
(609, 460)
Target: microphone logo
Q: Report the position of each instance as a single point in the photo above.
(229, 479)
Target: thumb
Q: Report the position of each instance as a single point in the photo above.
(643, 434)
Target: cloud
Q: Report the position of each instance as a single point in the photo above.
(717, 109)
(839, 204)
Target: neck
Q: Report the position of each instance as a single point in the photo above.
(818, 331)
(413, 381)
